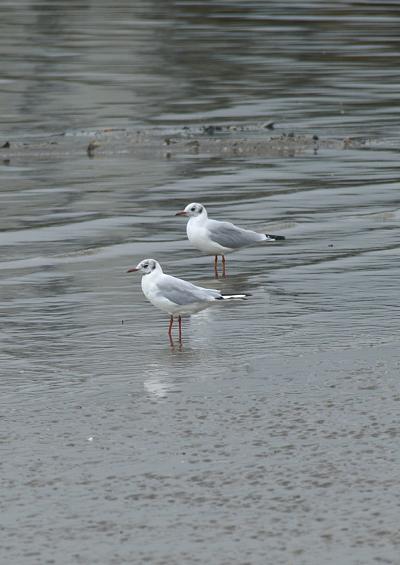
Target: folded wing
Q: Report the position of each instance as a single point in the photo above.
(181, 292)
(230, 236)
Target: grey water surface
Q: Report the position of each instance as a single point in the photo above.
(272, 435)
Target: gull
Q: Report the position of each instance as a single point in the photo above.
(176, 296)
(219, 238)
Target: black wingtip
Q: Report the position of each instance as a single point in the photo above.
(241, 296)
(275, 237)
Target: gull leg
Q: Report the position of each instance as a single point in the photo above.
(171, 322)
(180, 329)
(216, 266)
(223, 266)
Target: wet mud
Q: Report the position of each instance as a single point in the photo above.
(232, 140)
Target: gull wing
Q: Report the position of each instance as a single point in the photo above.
(230, 236)
(182, 292)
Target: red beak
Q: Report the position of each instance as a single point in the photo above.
(133, 270)
(181, 213)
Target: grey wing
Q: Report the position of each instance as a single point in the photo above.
(230, 236)
(182, 292)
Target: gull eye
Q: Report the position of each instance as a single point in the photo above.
(145, 266)
(193, 209)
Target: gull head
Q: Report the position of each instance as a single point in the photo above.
(193, 210)
(146, 267)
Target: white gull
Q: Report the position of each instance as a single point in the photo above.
(174, 296)
(219, 238)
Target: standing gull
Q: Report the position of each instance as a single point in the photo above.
(176, 296)
(219, 238)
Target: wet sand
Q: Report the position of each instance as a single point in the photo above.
(268, 460)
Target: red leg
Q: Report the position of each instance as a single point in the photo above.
(180, 329)
(171, 321)
(216, 266)
(223, 266)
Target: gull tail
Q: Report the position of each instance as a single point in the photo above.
(271, 237)
(233, 296)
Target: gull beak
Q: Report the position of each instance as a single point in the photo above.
(181, 213)
(133, 270)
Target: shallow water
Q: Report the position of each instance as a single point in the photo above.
(271, 435)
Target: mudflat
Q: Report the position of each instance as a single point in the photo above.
(271, 435)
